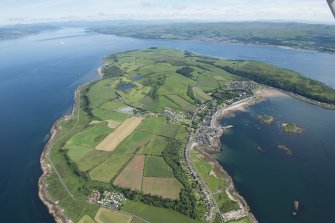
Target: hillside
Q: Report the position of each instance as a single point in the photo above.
(296, 35)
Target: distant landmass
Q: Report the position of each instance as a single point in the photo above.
(18, 31)
(296, 35)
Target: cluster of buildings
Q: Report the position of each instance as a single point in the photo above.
(108, 199)
(128, 110)
(240, 85)
(173, 116)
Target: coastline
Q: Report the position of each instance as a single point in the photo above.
(52, 205)
(207, 153)
(47, 168)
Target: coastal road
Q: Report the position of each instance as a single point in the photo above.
(202, 183)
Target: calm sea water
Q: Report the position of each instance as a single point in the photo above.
(38, 76)
(271, 180)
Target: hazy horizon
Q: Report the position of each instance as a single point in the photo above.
(42, 11)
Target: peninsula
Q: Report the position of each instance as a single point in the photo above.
(137, 145)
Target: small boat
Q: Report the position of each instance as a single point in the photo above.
(296, 207)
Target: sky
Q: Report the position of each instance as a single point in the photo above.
(31, 11)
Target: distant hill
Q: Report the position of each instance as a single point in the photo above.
(17, 31)
(296, 35)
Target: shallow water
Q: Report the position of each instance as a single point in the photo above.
(271, 180)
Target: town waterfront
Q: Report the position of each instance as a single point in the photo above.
(38, 77)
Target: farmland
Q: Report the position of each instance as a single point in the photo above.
(165, 187)
(155, 214)
(132, 141)
(131, 176)
(109, 216)
(156, 167)
(115, 138)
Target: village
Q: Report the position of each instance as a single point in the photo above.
(108, 199)
(207, 133)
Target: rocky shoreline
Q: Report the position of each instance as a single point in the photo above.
(231, 190)
(43, 194)
(219, 171)
(46, 166)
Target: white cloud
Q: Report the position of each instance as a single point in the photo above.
(34, 10)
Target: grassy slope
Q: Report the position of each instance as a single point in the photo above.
(214, 184)
(280, 78)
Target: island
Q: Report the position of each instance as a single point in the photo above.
(266, 119)
(285, 150)
(137, 146)
(292, 128)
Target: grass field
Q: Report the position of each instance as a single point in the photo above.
(109, 168)
(151, 125)
(81, 143)
(122, 132)
(131, 176)
(105, 114)
(92, 159)
(155, 147)
(181, 134)
(165, 187)
(156, 214)
(105, 215)
(156, 167)
(137, 140)
(102, 91)
(168, 130)
(185, 105)
(216, 185)
(200, 94)
(207, 83)
(86, 219)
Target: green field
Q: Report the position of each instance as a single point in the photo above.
(155, 214)
(181, 102)
(105, 114)
(109, 168)
(155, 147)
(82, 168)
(92, 159)
(101, 91)
(165, 187)
(86, 219)
(168, 130)
(216, 185)
(151, 125)
(200, 94)
(136, 141)
(156, 167)
(81, 143)
(110, 216)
